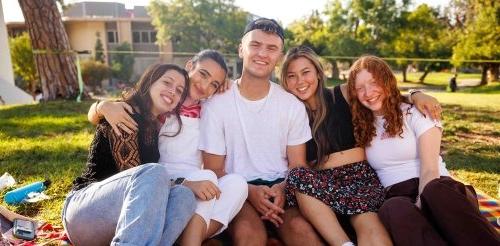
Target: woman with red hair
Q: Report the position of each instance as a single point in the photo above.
(423, 205)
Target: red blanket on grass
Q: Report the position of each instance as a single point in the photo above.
(48, 234)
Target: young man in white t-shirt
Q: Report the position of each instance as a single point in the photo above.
(258, 130)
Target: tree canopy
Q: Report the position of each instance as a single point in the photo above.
(193, 25)
(464, 30)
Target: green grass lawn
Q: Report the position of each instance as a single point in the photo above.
(44, 141)
(51, 141)
(439, 79)
(434, 80)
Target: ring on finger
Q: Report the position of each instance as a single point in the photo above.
(119, 124)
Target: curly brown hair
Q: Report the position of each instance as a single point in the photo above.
(362, 117)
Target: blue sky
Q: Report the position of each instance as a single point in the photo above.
(284, 10)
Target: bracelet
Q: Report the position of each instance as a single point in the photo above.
(411, 92)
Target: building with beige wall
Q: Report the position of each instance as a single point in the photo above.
(116, 24)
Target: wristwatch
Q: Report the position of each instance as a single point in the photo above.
(179, 181)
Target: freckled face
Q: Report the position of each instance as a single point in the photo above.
(369, 92)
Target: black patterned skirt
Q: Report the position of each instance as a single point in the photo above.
(348, 189)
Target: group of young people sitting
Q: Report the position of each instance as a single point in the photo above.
(187, 154)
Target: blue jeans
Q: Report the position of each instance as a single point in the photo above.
(134, 207)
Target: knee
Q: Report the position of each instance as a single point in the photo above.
(395, 209)
(247, 233)
(209, 175)
(184, 197)
(441, 186)
(234, 184)
(155, 173)
(297, 226)
(442, 192)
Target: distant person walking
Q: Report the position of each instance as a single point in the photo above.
(453, 83)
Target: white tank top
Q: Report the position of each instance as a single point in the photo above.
(180, 153)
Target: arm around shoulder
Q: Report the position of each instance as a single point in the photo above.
(116, 113)
(427, 105)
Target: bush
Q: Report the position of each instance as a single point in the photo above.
(122, 64)
(93, 72)
(24, 63)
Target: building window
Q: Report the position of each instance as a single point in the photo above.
(112, 37)
(136, 37)
(144, 37)
(153, 37)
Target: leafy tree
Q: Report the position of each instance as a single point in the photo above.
(99, 49)
(309, 31)
(23, 62)
(481, 37)
(422, 34)
(122, 62)
(343, 31)
(193, 25)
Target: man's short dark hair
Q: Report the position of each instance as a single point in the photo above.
(266, 25)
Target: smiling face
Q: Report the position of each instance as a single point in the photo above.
(206, 76)
(166, 92)
(302, 78)
(260, 52)
(369, 92)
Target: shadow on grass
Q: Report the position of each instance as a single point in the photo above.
(470, 139)
(45, 119)
(474, 162)
(56, 108)
(26, 161)
(44, 128)
(418, 85)
(459, 112)
(492, 88)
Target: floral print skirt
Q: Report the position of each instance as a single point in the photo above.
(349, 189)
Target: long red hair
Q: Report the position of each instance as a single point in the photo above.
(362, 117)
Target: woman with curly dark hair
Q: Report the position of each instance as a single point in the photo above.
(423, 205)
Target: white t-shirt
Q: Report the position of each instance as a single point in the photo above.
(396, 159)
(180, 153)
(254, 135)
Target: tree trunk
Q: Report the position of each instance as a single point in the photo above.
(335, 70)
(426, 72)
(404, 73)
(494, 71)
(484, 74)
(55, 63)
